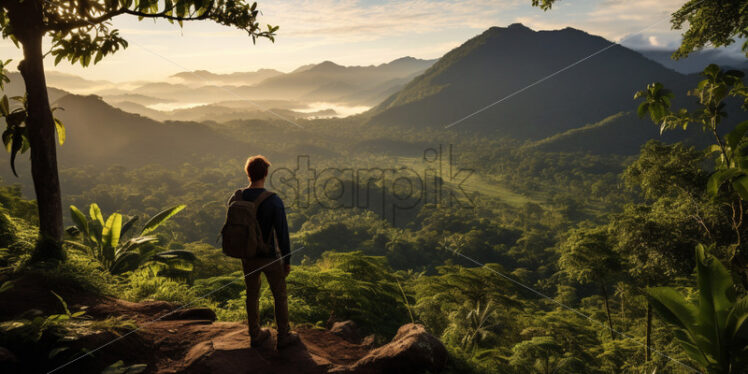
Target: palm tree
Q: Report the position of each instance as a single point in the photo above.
(587, 256)
(481, 322)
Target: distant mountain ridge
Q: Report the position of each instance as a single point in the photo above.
(328, 81)
(696, 61)
(504, 60)
(203, 77)
(325, 82)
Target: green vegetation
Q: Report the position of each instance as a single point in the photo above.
(547, 259)
(594, 247)
(714, 331)
(104, 240)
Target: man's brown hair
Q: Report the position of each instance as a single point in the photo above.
(257, 167)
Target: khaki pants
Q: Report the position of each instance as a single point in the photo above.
(276, 278)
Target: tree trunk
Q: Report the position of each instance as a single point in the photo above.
(41, 133)
(607, 310)
(648, 353)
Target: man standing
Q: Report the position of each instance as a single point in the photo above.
(271, 216)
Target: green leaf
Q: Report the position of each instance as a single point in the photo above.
(737, 320)
(127, 261)
(135, 243)
(718, 178)
(112, 228)
(672, 307)
(4, 106)
(54, 352)
(715, 288)
(160, 218)
(175, 254)
(64, 304)
(80, 220)
(734, 137)
(77, 245)
(741, 186)
(129, 225)
(60, 131)
(15, 147)
(95, 212)
(95, 228)
(642, 109)
(120, 368)
(6, 286)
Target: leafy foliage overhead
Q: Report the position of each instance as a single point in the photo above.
(82, 32)
(15, 137)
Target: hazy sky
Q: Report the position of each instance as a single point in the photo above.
(366, 32)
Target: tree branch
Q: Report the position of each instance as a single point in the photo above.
(163, 15)
(92, 21)
(88, 21)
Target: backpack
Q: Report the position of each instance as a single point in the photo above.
(241, 234)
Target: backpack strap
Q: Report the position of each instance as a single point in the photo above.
(260, 199)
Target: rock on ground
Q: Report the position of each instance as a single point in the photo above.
(412, 350)
(347, 330)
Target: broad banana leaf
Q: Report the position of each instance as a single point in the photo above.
(160, 218)
(111, 233)
(175, 254)
(95, 212)
(135, 243)
(80, 220)
(128, 261)
(128, 225)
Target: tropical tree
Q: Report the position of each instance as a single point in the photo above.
(481, 322)
(440, 297)
(653, 242)
(474, 326)
(543, 355)
(713, 331)
(729, 181)
(81, 31)
(587, 256)
(103, 240)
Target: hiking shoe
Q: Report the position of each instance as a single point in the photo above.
(287, 340)
(260, 338)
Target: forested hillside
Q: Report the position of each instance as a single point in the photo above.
(580, 219)
(502, 60)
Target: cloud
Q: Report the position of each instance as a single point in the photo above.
(351, 20)
(650, 41)
(612, 19)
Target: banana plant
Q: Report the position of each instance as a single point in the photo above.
(105, 240)
(714, 331)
